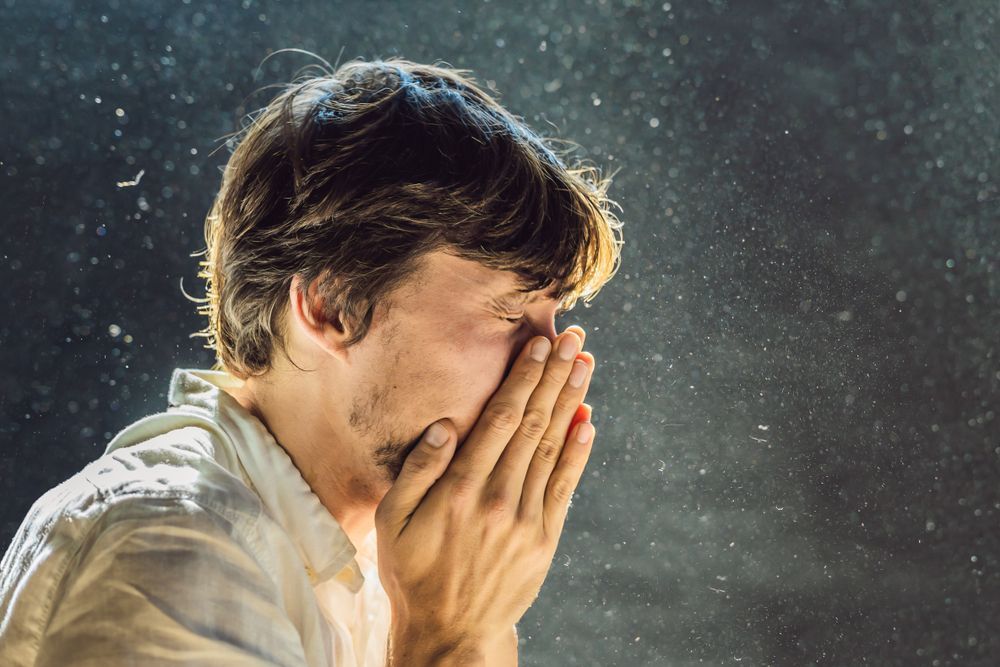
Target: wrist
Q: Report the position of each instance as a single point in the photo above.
(506, 638)
(419, 648)
(404, 653)
(502, 649)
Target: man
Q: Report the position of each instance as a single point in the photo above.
(386, 243)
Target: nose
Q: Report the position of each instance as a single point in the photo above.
(549, 331)
(544, 327)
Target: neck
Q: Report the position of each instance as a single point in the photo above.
(301, 426)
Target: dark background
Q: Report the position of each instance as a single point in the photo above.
(797, 387)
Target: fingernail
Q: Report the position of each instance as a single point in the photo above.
(568, 347)
(540, 350)
(578, 330)
(437, 435)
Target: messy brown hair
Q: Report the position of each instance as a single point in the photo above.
(354, 176)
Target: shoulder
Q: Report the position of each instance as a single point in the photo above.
(141, 521)
(179, 464)
(168, 478)
(154, 574)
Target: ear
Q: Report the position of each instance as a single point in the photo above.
(306, 311)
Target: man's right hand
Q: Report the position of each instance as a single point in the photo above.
(466, 540)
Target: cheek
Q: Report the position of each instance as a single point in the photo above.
(452, 372)
(487, 350)
(476, 364)
(478, 345)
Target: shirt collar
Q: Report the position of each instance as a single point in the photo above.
(325, 548)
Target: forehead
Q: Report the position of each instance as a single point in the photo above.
(445, 273)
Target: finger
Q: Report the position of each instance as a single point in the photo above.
(508, 477)
(578, 330)
(582, 414)
(501, 417)
(421, 469)
(551, 445)
(565, 479)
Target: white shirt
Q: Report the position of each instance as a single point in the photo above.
(193, 540)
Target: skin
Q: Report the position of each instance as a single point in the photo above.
(440, 349)
(466, 539)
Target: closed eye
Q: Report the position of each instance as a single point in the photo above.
(515, 320)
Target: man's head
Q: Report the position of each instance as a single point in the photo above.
(368, 226)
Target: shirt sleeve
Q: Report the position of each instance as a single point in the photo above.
(167, 582)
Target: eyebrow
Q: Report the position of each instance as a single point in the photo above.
(516, 299)
(514, 296)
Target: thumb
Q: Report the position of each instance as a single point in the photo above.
(424, 465)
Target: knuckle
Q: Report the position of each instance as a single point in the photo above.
(419, 461)
(548, 450)
(526, 518)
(568, 401)
(497, 504)
(463, 486)
(554, 375)
(530, 373)
(534, 423)
(562, 490)
(502, 417)
(457, 511)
